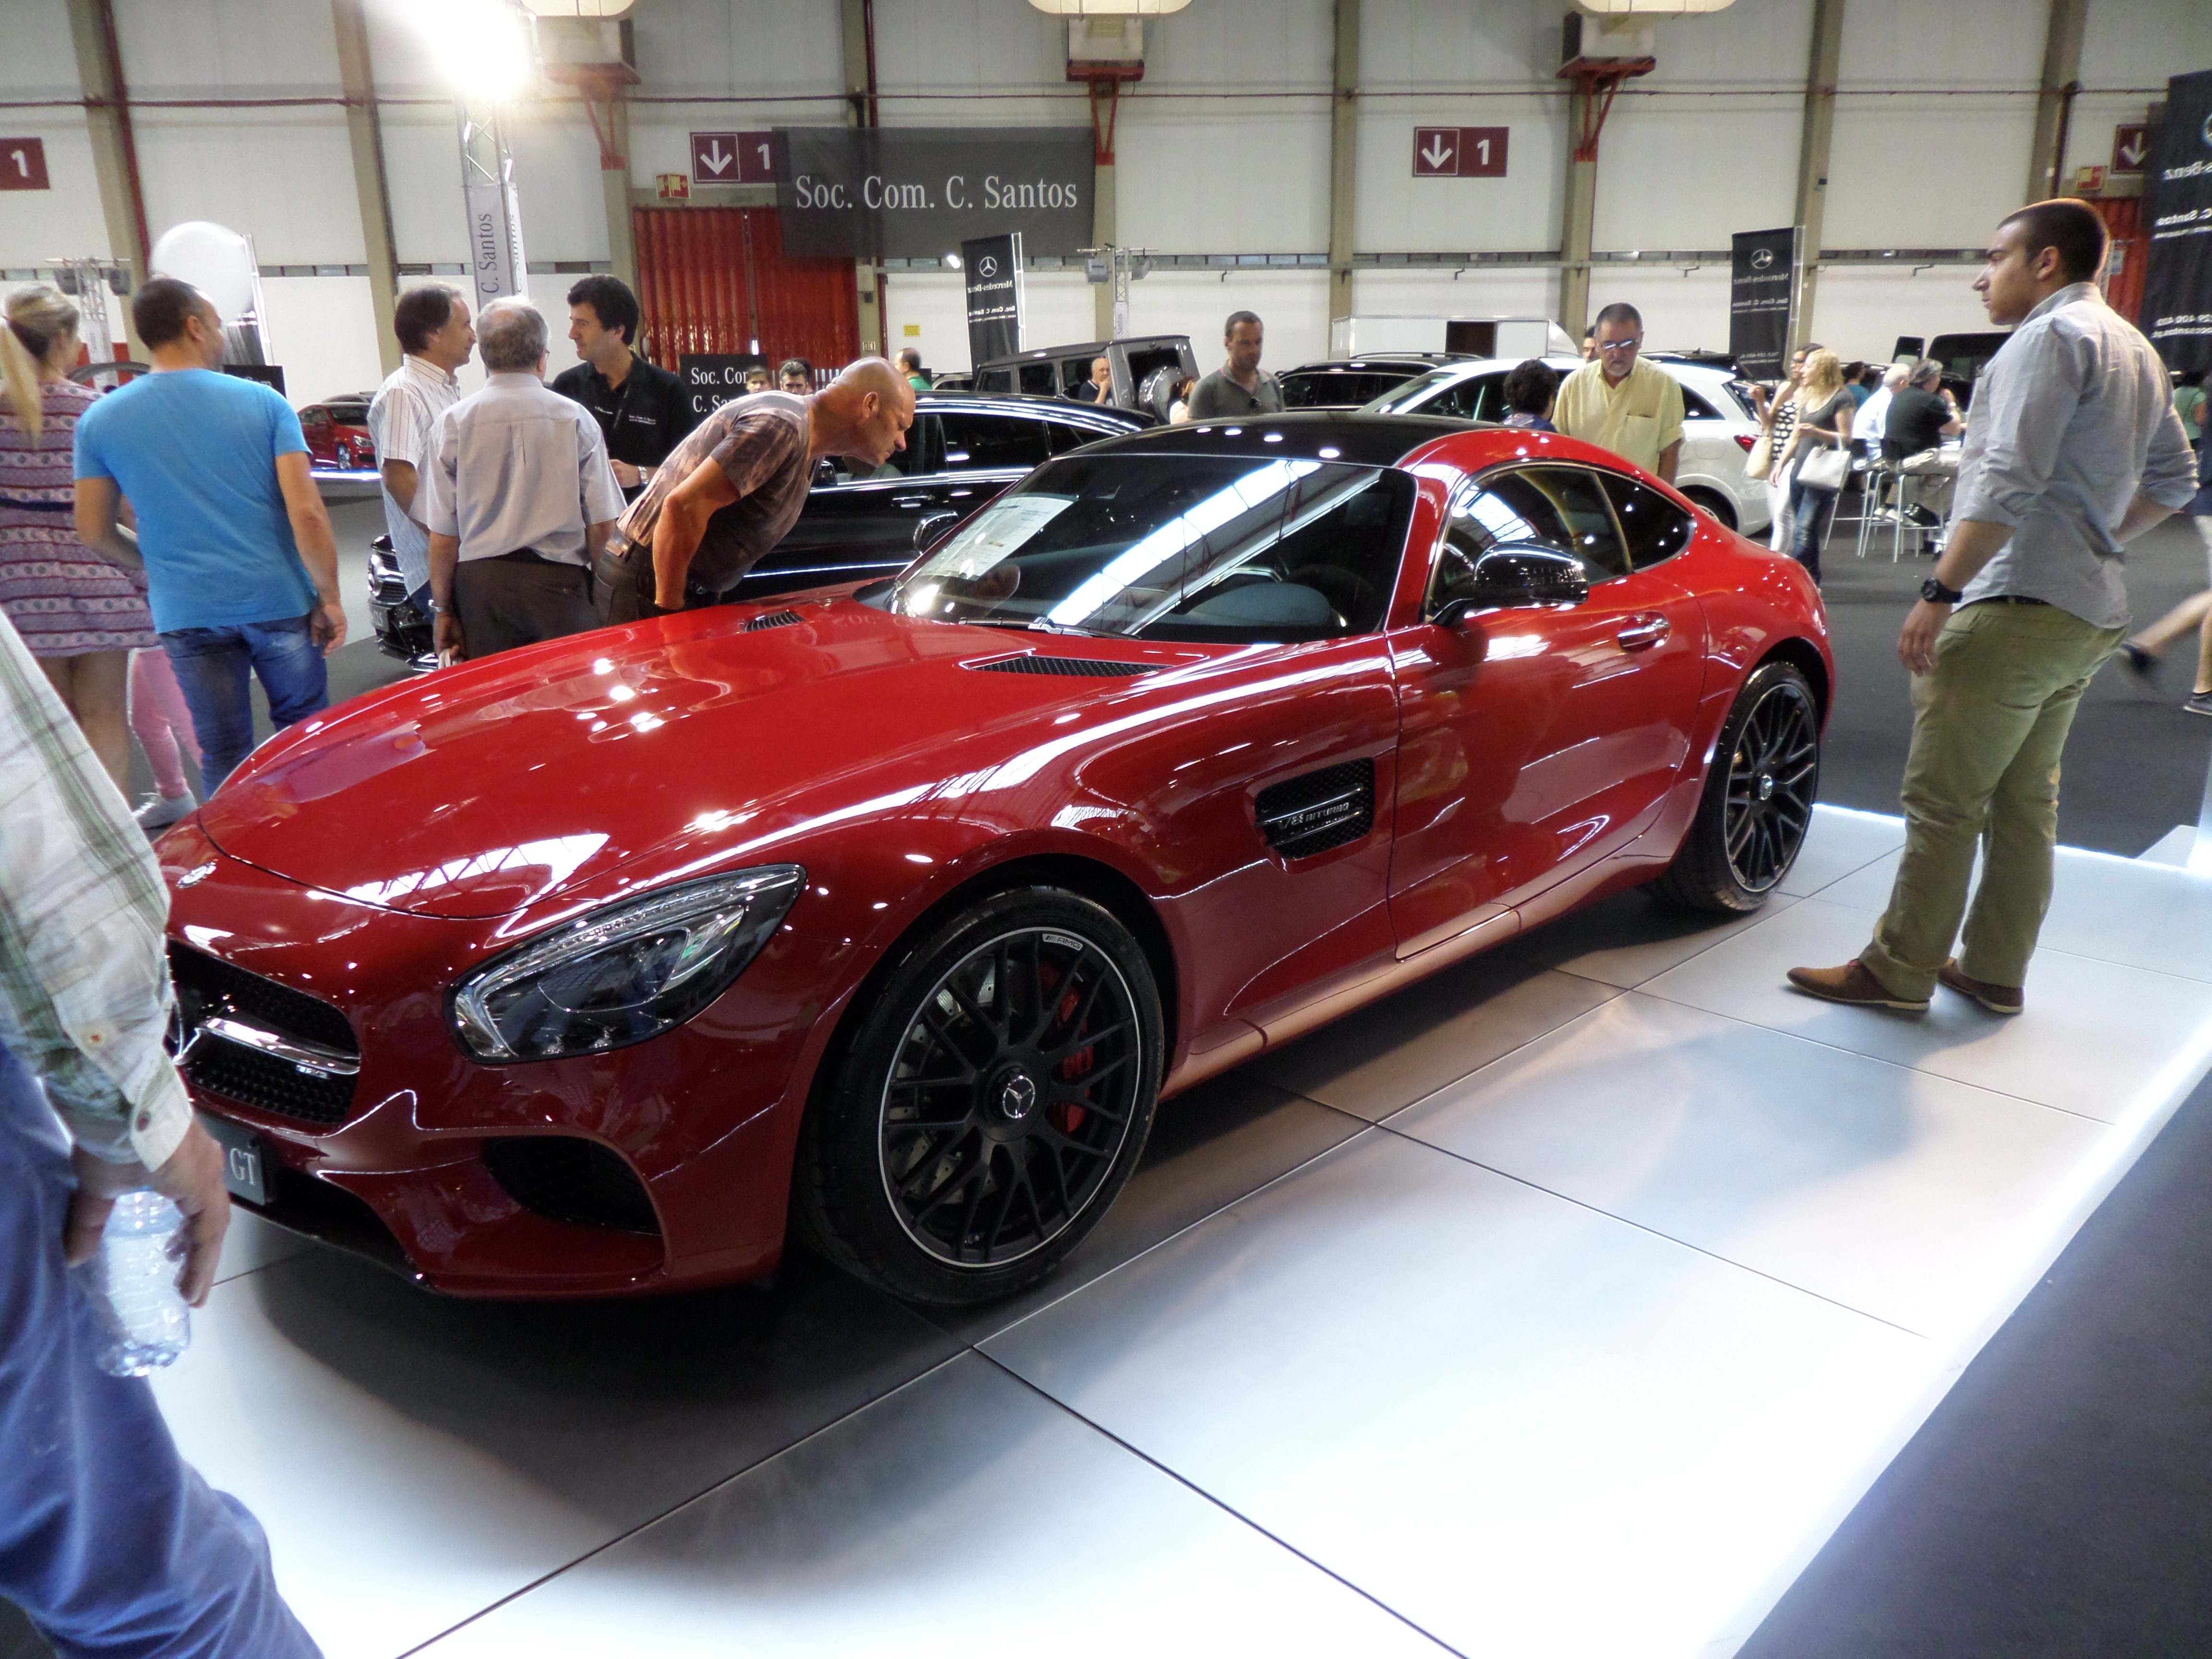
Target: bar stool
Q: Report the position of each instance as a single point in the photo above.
(1886, 478)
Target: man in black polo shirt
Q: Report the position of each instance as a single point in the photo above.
(1919, 418)
(643, 411)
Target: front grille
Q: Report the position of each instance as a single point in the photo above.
(207, 985)
(773, 619)
(1333, 807)
(567, 1179)
(1092, 667)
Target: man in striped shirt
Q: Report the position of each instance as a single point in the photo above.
(108, 1540)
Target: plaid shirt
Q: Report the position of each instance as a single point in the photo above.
(84, 981)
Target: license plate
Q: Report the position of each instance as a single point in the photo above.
(244, 1160)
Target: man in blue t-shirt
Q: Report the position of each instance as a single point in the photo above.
(240, 565)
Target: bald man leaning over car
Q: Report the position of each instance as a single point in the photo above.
(733, 488)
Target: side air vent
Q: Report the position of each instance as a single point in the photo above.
(773, 619)
(1333, 807)
(1088, 666)
(569, 1179)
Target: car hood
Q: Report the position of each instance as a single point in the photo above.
(483, 788)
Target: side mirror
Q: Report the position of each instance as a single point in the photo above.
(932, 528)
(1518, 575)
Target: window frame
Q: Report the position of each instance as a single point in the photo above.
(1480, 480)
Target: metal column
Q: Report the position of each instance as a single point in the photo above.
(1103, 214)
(2054, 101)
(114, 152)
(1344, 160)
(857, 35)
(1812, 145)
(614, 188)
(356, 74)
(1578, 224)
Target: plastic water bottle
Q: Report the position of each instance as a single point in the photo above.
(145, 1321)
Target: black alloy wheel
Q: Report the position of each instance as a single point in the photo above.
(1758, 800)
(995, 1097)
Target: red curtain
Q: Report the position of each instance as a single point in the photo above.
(2124, 280)
(717, 280)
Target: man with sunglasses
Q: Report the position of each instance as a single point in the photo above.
(1621, 403)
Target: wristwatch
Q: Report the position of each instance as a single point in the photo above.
(1935, 594)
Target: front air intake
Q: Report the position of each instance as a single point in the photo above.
(1092, 667)
(773, 619)
(1333, 807)
(566, 1178)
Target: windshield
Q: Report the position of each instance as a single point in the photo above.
(1415, 391)
(1176, 547)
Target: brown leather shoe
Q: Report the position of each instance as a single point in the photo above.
(1854, 986)
(1998, 999)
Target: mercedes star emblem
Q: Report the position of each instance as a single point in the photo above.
(1762, 258)
(1018, 1096)
(986, 266)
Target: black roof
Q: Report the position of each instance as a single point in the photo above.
(1080, 348)
(1369, 440)
(1107, 417)
(1412, 362)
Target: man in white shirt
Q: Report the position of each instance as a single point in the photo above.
(1866, 425)
(519, 498)
(432, 322)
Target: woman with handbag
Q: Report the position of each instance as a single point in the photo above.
(1778, 420)
(1821, 449)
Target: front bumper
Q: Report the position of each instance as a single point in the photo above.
(655, 1168)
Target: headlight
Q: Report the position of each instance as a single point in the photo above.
(623, 974)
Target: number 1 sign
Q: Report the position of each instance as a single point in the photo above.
(23, 164)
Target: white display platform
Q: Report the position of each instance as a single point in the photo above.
(1562, 1305)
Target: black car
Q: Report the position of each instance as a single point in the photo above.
(1351, 383)
(962, 451)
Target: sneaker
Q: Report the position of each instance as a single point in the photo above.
(2136, 661)
(2200, 702)
(1921, 516)
(160, 811)
(1998, 999)
(1854, 986)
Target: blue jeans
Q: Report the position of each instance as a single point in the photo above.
(1810, 509)
(212, 664)
(108, 1539)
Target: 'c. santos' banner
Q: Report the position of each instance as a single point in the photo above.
(919, 192)
(2177, 301)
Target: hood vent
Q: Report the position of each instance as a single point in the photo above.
(1091, 666)
(1331, 808)
(773, 619)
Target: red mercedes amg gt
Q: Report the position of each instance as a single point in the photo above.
(889, 915)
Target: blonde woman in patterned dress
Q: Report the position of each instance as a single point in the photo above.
(81, 616)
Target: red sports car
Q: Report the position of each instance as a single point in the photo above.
(337, 434)
(889, 915)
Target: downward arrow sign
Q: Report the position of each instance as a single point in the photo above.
(1438, 153)
(2133, 151)
(714, 160)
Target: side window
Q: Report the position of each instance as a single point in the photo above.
(1582, 504)
(1037, 377)
(1074, 373)
(1695, 408)
(976, 439)
(1655, 528)
(1065, 435)
(1457, 400)
(1504, 508)
(1490, 399)
(995, 380)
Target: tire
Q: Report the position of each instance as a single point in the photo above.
(1719, 505)
(1030, 1025)
(1757, 799)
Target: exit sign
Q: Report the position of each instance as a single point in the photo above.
(1460, 152)
(23, 164)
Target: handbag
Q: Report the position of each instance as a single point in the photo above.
(1825, 468)
(1761, 461)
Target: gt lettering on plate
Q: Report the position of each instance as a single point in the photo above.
(245, 1164)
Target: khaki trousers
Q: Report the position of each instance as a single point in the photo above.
(1989, 724)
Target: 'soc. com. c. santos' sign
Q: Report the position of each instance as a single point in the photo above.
(919, 192)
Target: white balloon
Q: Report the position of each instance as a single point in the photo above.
(215, 261)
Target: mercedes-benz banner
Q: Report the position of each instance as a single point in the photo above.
(919, 192)
(993, 265)
(2177, 301)
(1762, 287)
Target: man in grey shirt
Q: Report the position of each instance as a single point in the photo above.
(1237, 387)
(518, 498)
(2073, 450)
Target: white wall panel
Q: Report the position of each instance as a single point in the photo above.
(557, 182)
(233, 48)
(1939, 174)
(283, 177)
(1399, 213)
(422, 172)
(323, 330)
(65, 221)
(1005, 55)
(1512, 292)
(40, 61)
(1690, 173)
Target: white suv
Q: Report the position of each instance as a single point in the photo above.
(1718, 426)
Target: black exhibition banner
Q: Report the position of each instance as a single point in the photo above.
(993, 266)
(2177, 301)
(712, 378)
(1762, 289)
(919, 192)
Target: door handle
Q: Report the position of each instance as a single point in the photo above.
(909, 501)
(1639, 632)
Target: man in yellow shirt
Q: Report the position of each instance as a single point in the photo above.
(1621, 403)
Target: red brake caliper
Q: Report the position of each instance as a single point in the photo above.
(1066, 1116)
